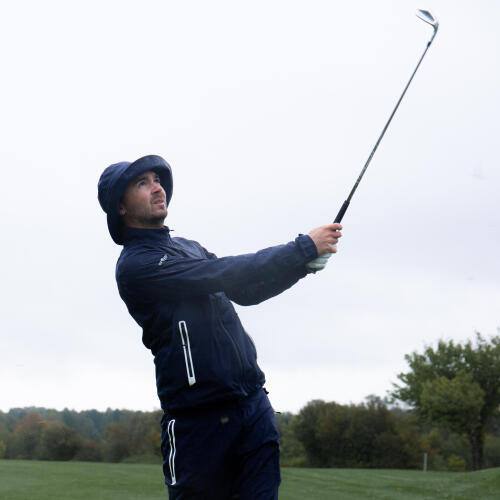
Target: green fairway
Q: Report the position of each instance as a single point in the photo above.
(20, 480)
(354, 484)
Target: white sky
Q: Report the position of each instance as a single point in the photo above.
(267, 111)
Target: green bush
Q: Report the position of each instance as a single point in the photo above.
(492, 451)
(456, 463)
(294, 462)
(89, 452)
(59, 442)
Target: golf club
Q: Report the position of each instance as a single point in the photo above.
(430, 19)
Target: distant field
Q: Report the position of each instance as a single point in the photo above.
(22, 480)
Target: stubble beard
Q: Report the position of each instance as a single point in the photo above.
(154, 220)
(145, 220)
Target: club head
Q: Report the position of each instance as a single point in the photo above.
(426, 16)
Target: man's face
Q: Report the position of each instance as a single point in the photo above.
(143, 203)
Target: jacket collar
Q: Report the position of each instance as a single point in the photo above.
(151, 235)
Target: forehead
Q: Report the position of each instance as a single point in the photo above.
(145, 175)
(133, 184)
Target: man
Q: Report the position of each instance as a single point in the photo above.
(219, 439)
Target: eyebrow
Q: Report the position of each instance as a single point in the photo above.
(145, 176)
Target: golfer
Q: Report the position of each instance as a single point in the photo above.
(219, 438)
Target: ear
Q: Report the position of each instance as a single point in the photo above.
(122, 210)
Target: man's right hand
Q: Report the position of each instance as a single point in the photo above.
(326, 237)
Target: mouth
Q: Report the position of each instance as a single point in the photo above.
(159, 201)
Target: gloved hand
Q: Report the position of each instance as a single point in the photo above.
(319, 263)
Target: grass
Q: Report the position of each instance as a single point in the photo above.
(356, 484)
(20, 480)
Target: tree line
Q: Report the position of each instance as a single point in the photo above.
(111, 436)
(452, 393)
(372, 434)
(375, 434)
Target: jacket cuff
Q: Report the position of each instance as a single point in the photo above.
(307, 247)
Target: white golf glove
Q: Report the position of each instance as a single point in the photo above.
(319, 263)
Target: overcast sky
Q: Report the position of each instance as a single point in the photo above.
(267, 111)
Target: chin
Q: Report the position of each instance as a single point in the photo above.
(158, 219)
(159, 213)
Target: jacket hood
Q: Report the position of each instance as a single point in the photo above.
(115, 179)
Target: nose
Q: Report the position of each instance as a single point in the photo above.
(156, 187)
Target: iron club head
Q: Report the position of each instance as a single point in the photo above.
(426, 16)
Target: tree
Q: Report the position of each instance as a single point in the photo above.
(4, 437)
(365, 435)
(116, 443)
(456, 386)
(59, 442)
(305, 427)
(291, 450)
(27, 436)
(89, 451)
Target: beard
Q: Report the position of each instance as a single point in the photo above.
(145, 219)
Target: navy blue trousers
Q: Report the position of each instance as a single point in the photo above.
(226, 452)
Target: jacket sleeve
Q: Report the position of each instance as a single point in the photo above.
(179, 278)
(256, 293)
(251, 294)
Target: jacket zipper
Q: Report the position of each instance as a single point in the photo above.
(186, 347)
(230, 337)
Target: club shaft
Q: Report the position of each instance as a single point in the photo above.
(343, 209)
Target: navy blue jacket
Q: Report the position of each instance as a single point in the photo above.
(180, 295)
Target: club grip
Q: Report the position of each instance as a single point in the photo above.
(341, 213)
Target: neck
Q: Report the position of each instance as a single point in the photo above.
(150, 224)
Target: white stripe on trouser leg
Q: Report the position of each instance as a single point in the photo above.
(171, 456)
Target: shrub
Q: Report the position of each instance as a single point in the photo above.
(59, 442)
(89, 451)
(492, 451)
(456, 463)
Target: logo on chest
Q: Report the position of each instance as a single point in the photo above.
(163, 259)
